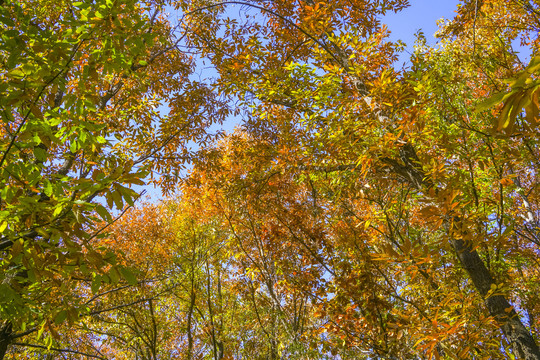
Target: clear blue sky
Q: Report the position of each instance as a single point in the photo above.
(422, 14)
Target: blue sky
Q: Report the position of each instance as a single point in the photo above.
(421, 15)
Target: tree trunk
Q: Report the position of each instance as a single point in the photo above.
(189, 324)
(522, 341)
(5, 338)
(499, 307)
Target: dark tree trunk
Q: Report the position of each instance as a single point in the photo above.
(499, 307)
(522, 341)
(5, 338)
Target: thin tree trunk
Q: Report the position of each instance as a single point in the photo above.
(217, 353)
(154, 339)
(189, 323)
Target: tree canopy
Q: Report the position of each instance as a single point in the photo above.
(359, 210)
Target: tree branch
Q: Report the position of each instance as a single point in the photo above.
(59, 350)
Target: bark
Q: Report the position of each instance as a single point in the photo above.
(5, 338)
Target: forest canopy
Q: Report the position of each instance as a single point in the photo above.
(360, 210)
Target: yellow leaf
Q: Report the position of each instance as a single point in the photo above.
(505, 118)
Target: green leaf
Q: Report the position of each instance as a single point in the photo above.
(127, 193)
(73, 147)
(47, 187)
(96, 283)
(114, 275)
(102, 211)
(128, 275)
(40, 154)
(117, 198)
(60, 317)
(109, 198)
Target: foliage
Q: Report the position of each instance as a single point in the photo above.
(359, 211)
(81, 82)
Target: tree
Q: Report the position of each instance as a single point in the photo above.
(191, 301)
(81, 82)
(330, 103)
(390, 212)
